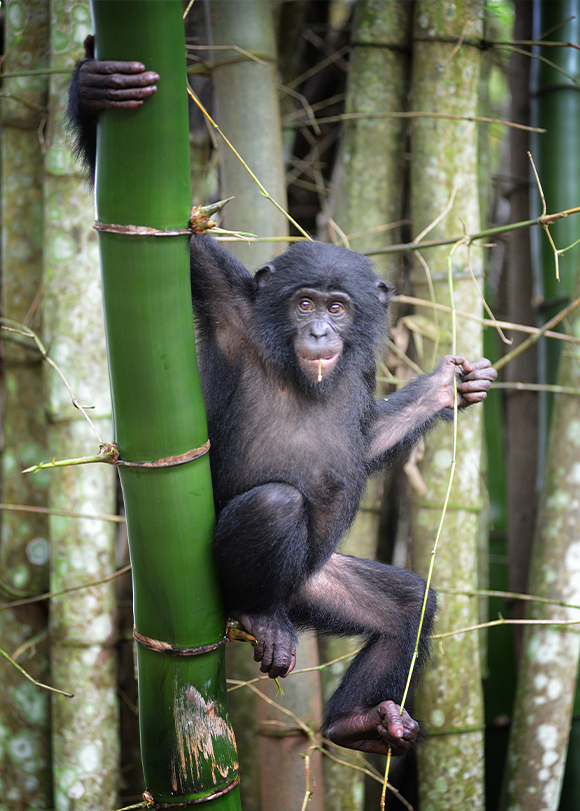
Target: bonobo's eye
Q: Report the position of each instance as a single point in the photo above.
(305, 305)
(336, 307)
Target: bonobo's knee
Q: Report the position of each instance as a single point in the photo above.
(270, 511)
(279, 503)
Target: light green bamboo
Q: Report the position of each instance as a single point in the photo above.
(273, 766)
(444, 165)
(24, 547)
(243, 87)
(85, 728)
(549, 660)
(369, 194)
(187, 744)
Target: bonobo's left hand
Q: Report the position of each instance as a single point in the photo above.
(376, 731)
(107, 85)
(473, 380)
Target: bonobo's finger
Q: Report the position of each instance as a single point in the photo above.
(481, 369)
(292, 664)
(89, 46)
(285, 665)
(259, 650)
(116, 99)
(397, 723)
(397, 729)
(467, 387)
(278, 660)
(472, 392)
(266, 657)
(109, 66)
(458, 360)
(92, 77)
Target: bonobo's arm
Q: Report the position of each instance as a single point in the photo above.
(403, 417)
(103, 85)
(222, 290)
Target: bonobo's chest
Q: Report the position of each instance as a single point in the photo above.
(269, 432)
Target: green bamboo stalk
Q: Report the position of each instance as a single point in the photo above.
(187, 743)
(535, 770)
(24, 548)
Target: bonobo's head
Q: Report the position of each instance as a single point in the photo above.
(319, 308)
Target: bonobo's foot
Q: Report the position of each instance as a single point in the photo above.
(382, 728)
(275, 646)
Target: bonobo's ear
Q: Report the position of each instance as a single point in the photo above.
(384, 291)
(262, 275)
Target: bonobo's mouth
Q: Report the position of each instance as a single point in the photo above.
(316, 369)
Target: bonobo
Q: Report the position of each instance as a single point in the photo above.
(287, 361)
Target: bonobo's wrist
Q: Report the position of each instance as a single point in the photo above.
(86, 111)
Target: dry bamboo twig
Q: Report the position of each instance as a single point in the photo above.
(34, 681)
(50, 594)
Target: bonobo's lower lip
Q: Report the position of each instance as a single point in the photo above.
(316, 369)
(323, 362)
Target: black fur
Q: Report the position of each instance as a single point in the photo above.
(290, 459)
(291, 450)
(82, 125)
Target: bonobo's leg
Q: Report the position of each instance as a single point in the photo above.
(260, 546)
(349, 596)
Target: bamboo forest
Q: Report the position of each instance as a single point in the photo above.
(440, 141)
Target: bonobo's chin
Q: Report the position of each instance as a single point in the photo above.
(317, 369)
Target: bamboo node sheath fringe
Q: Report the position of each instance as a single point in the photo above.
(166, 461)
(217, 793)
(166, 647)
(140, 230)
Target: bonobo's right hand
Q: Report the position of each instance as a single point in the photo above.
(107, 85)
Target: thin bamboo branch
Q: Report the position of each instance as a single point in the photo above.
(509, 595)
(535, 338)
(331, 119)
(419, 302)
(264, 192)
(34, 681)
(547, 219)
(13, 326)
(48, 595)
(68, 513)
(502, 621)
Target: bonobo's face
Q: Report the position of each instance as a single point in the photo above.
(320, 320)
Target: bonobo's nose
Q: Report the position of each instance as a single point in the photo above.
(320, 329)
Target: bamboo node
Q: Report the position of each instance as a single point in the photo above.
(166, 461)
(150, 802)
(166, 647)
(140, 230)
